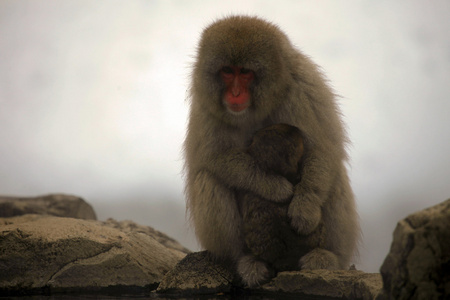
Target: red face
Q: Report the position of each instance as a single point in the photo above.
(237, 81)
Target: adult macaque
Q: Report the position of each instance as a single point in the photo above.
(247, 76)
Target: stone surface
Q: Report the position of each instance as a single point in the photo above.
(339, 284)
(418, 264)
(49, 254)
(162, 238)
(66, 254)
(55, 205)
(198, 274)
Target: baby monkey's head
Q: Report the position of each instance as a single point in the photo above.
(278, 148)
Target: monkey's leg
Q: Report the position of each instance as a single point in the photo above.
(262, 228)
(311, 193)
(252, 271)
(319, 258)
(216, 217)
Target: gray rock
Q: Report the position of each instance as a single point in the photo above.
(55, 205)
(418, 264)
(339, 284)
(66, 254)
(162, 238)
(198, 274)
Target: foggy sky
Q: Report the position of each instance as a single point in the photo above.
(92, 101)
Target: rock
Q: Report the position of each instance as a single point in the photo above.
(56, 205)
(418, 264)
(339, 284)
(55, 253)
(198, 274)
(162, 238)
(65, 254)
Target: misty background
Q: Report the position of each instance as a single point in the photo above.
(93, 101)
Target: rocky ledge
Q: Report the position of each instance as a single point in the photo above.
(53, 244)
(418, 264)
(198, 274)
(53, 254)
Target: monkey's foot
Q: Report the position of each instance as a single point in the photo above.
(252, 271)
(319, 259)
(305, 214)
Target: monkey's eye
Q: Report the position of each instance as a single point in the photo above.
(227, 70)
(245, 71)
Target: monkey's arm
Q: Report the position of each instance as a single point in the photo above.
(311, 192)
(239, 170)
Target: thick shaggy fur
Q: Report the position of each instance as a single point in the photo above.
(288, 88)
(266, 231)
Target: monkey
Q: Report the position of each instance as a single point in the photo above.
(266, 231)
(248, 75)
(278, 148)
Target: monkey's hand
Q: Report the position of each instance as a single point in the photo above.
(277, 189)
(305, 213)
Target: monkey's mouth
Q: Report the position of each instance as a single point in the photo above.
(238, 107)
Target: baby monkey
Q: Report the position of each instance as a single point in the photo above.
(267, 233)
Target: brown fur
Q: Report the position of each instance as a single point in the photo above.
(267, 233)
(288, 88)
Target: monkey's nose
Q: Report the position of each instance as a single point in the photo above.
(236, 89)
